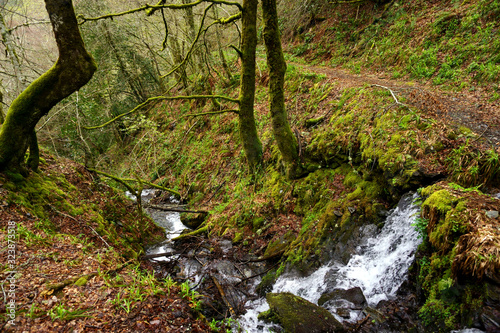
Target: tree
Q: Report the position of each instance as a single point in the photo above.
(285, 139)
(248, 130)
(72, 70)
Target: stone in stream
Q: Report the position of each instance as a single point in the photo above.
(353, 295)
(297, 315)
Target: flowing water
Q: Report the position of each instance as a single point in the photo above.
(379, 268)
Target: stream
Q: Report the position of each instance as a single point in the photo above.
(377, 269)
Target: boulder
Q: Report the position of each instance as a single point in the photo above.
(297, 315)
(353, 295)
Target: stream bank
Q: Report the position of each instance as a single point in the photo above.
(368, 286)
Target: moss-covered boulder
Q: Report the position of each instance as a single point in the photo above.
(193, 221)
(298, 315)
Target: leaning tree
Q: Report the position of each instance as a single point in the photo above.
(72, 70)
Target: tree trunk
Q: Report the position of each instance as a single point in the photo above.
(248, 131)
(73, 69)
(287, 143)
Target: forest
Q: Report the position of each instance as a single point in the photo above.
(250, 166)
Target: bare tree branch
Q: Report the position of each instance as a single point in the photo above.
(161, 98)
(151, 8)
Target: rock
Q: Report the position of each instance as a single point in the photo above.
(337, 213)
(492, 214)
(351, 209)
(193, 221)
(277, 248)
(375, 314)
(298, 315)
(344, 313)
(353, 295)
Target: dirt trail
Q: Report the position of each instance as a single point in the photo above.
(471, 109)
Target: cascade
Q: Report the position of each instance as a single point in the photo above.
(378, 267)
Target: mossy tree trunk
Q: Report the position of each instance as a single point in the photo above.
(286, 140)
(248, 130)
(73, 69)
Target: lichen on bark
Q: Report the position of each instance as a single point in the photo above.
(287, 143)
(247, 126)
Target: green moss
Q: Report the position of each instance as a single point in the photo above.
(441, 200)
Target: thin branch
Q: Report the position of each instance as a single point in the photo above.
(191, 48)
(124, 181)
(213, 112)
(164, 43)
(161, 98)
(74, 219)
(177, 210)
(392, 93)
(139, 9)
(27, 24)
(152, 8)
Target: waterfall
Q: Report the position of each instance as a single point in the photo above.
(379, 267)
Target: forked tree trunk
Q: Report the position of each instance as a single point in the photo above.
(287, 143)
(248, 131)
(73, 69)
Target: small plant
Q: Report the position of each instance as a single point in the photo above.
(190, 295)
(421, 227)
(61, 313)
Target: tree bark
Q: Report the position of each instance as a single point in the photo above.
(287, 143)
(73, 69)
(248, 131)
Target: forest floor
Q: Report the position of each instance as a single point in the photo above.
(65, 277)
(117, 296)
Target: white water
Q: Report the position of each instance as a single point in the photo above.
(170, 221)
(379, 268)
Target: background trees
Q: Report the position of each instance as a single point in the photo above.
(135, 71)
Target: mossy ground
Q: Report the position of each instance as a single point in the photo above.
(363, 153)
(75, 259)
(461, 255)
(362, 147)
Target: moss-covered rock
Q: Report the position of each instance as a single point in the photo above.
(298, 315)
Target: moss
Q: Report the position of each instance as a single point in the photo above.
(441, 200)
(81, 281)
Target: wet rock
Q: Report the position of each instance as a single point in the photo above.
(492, 214)
(353, 295)
(375, 314)
(298, 315)
(491, 319)
(277, 248)
(344, 313)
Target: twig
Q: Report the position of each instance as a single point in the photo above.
(171, 209)
(217, 190)
(392, 93)
(161, 98)
(479, 137)
(185, 135)
(157, 255)
(258, 274)
(212, 112)
(223, 295)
